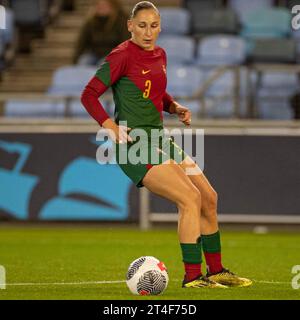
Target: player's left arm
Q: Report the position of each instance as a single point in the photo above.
(173, 107)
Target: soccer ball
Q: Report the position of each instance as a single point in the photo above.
(147, 276)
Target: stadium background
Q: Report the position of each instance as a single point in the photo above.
(234, 63)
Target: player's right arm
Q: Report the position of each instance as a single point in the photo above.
(112, 69)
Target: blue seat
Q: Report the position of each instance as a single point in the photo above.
(195, 5)
(71, 80)
(77, 110)
(219, 108)
(243, 7)
(179, 49)
(219, 96)
(278, 84)
(30, 12)
(274, 110)
(221, 86)
(17, 108)
(296, 34)
(267, 23)
(296, 37)
(213, 21)
(183, 82)
(221, 50)
(274, 93)
(175, 21)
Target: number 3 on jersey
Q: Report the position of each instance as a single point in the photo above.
(147, 90)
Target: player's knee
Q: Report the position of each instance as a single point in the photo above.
(212, 200)
(190, 198)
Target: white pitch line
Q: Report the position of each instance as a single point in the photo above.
(271, 282)
(37, 284)
(257, 281)
(63, 283)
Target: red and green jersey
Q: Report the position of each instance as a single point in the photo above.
(138, 80)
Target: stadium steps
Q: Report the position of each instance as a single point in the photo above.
(38, 64)
(33, 72)
(70, 21)
(56, 39)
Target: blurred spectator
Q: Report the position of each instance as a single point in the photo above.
(103, 30)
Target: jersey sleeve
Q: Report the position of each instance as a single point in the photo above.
(167, 98)
(90, 100)
(112, 69)
(167, 101)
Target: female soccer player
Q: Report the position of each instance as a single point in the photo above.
(136, 71)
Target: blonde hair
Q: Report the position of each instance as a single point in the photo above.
(143, 5)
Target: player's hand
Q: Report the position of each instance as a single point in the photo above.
(184, 114)
(118, 134)
(123, 136)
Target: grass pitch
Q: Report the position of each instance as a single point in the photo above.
(91, 263)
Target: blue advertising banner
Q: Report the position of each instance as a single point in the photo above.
(57, 177)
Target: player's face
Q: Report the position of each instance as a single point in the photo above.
(145, 28)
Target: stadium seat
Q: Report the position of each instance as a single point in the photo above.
(30, 12)
(175, 21)
(296, 37)
(267, 23)
(244, 7)
(210, 21)
(193, 5)
(274, 50)
(70, 80)
(183, 82)
(31, 17)
(179, 49)
(278, 84)
(219, 108)
(274, 110)
(274, 91)
(221, 50)
(77, 110)
(17, 108)
(219, 96)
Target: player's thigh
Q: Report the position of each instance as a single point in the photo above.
(199, 180)
(170, 181)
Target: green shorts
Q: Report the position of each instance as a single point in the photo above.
(136, 158)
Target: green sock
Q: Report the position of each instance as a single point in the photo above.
(191, 252)
(211, 243)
